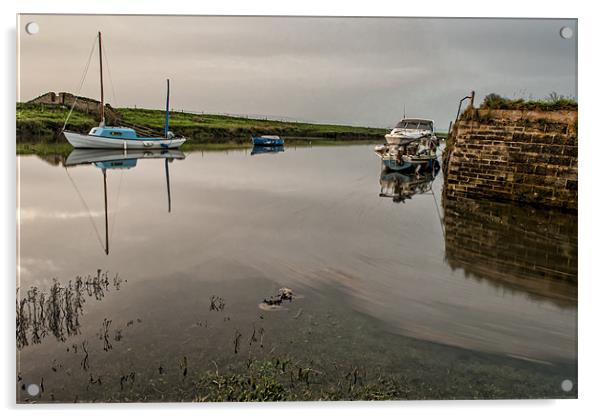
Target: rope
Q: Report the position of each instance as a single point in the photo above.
(81, 83)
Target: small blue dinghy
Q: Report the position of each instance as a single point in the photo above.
(267, 140)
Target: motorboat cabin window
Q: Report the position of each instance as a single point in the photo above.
(414, 124)
(115, 133)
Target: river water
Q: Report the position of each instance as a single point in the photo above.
(384, 272)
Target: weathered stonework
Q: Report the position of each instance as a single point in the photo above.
(515, 248)
(511, 155)
(83, 104)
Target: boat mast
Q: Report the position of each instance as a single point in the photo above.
(167, 111)
(102, 95)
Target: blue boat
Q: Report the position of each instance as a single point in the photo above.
(267, 140)
(263, 149)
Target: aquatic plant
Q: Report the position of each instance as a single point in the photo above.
(58, 312)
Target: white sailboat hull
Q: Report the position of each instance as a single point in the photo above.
(98, 142)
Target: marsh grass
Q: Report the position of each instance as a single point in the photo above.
(551, 103)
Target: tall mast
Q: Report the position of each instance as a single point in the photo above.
(102, 94)
(167, 110)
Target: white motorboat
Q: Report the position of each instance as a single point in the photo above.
(410, 130)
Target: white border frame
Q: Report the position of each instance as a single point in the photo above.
(589, 226)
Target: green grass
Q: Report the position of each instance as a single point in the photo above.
(156, 118)
(43, 148)
(43, 123)
(551, 103)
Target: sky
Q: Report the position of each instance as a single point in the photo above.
(356, 71)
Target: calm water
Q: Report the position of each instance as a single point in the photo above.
(376, 280)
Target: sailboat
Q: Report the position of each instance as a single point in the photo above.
(121, 137)
(120, 160)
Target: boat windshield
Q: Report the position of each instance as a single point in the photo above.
(415, 124)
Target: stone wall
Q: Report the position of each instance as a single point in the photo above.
(83, 104)
(515, 248)
(512, 155)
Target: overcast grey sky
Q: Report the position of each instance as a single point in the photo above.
(359, 71)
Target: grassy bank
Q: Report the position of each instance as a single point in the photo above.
(552, 103)
(42, 123)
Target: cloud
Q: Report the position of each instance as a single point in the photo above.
(359, 71)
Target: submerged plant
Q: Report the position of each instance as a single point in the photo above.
(58, 312)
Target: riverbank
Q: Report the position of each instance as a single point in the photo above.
(37, 123)
(63, 148)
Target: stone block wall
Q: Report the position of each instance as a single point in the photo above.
(83, 104)
(510, 155)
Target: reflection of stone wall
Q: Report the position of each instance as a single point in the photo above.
(517, 248)
(525, 156)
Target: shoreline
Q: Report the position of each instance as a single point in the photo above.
(45, 148)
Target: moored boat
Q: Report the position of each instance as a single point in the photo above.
(411, 146)
(417, 156)
(410, 130)
(119, 136)
(267, 140)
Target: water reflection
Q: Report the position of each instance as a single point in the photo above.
(400, 186)
(108, 159)
(58, 311)
(267, 150)
(517, 248)
(369, 272)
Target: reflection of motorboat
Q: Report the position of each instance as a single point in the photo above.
(266, 150)
(112, 159)
(400, 186)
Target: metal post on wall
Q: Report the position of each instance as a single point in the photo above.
(471, 97)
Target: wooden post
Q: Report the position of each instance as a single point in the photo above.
(472, 98)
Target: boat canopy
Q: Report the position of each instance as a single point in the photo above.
(415, 124)
(114, 132)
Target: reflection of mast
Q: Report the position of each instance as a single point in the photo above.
(104, 177)
(168, 188)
